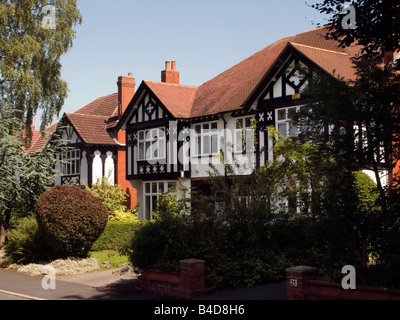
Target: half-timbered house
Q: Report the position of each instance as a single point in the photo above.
(95, 148)
(174, 131)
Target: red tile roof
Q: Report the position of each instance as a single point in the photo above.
(90, 122)
(177, 98)
(104, 106)
(91, 128)
(39, 140)
(229, 90)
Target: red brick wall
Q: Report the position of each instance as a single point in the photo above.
(186, 284)
(301, 284)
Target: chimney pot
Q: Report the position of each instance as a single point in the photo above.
(168, 75)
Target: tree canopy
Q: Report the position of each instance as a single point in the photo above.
(30, 52)
(377, 24)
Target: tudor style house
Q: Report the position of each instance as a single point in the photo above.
(174, 131)
(96, 149)
(164, 136)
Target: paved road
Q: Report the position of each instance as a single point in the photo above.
(28, 287)
(19, 286)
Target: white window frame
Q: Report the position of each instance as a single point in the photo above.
(152, 190)
(284, 124)
(151, 141)
(243, 127)
(71, 162)
(206, 132)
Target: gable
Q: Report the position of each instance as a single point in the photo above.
(147, 108)
(290, 80)
(69, 134)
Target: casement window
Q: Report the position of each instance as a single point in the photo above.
(151, 144)
(285, 123)
(206, 139)
(243, 133)
(151, 194)
(71, 163)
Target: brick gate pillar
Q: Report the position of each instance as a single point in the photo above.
(191, 278)
(295, 281)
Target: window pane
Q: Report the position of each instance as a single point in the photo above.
(248, 122)
(153, 203)
(239, 140)
(172, 187)
(148, 208)
(206, 127)
(214, 143)
(148, 150)
(154, 153)
(214, 126)
(239, 123)
(292, 129)
(141, 135)
(147, 188)
(291, 113)
(198, 145)
(198, 129)
(282, 129)
(162, 148)
(282, 114)
(154, 189)
(161, 187)
(207, 145)
(141, 151)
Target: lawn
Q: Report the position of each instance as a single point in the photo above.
(108, 255)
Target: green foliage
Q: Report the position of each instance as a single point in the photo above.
(23, 176)
(377, 29)
(30, 68)
(124, 215)
(24, 244)
(175, 235)
(117, 236)
(112, 196)
(70, 220)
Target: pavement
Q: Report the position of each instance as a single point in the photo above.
(114, 284)
(124, 279)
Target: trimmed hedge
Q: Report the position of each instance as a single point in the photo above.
(116, 236)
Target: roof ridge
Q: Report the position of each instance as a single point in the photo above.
(170, 84)
(317, 48)
(87, 115)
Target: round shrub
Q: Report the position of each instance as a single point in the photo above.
(70, 220)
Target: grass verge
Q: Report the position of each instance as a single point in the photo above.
(109, 256)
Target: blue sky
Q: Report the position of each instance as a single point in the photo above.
(204, 37)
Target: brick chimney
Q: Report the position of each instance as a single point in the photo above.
(126, 91)
(170, 75)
